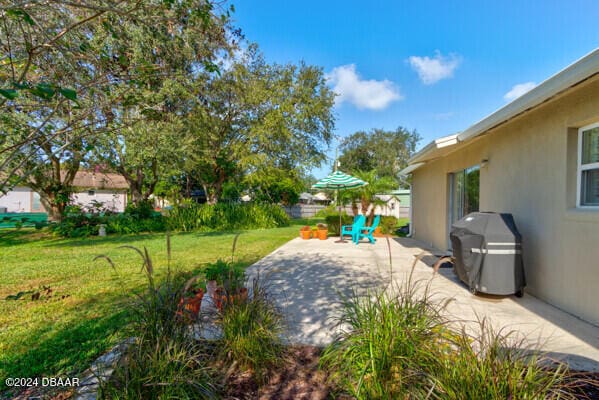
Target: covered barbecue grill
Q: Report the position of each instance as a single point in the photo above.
(487, 248)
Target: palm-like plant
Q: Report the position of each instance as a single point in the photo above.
(366, 195)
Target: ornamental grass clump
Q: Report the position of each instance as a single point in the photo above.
(495, 365)
(251, 332)
(164, 361)
(396, 343)
(387, 341)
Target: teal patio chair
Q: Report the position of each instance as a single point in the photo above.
(354, 229)
(367, 231)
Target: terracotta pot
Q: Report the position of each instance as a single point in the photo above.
(191, 305)
(314, 233)
(305, 234)
(217, 298)
(322, 234)
(377, 232)
(243, 293)
(223, 300)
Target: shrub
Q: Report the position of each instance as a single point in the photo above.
(333, 222)
(191, 216)
(388, 224)
(77, 223)
(142, 210)
(328, 210)
(217, 271)
(251, 332)
(126, 223)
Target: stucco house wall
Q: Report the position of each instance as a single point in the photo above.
(107, 188)
(531, 173)
(17, 200)
(115, 201)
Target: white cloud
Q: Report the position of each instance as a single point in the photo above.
(518, 90)
(364, 94)
(433, 69)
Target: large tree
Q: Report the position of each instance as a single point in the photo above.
(47, 105)
(76, 72)
(165, 62)
(385, 152)
(257, 116)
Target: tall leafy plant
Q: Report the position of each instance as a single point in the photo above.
(366, 196)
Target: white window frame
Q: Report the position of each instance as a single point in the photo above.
(580, 168)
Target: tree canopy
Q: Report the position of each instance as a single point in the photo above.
(386, 152)
(159, 91)
(73, 73)
(259, 120)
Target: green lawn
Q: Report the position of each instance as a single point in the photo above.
(56, 335)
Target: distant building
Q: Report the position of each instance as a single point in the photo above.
(89, 187)
(394, 204)
(321, 198)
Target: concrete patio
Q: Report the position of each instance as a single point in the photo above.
(311, 275)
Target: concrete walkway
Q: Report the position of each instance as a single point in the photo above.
(310, 276)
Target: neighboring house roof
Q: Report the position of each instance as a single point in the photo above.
(305, 196)
(92, 180)
(99, 180)
(386, 197)
(574, 74)
(321, 196)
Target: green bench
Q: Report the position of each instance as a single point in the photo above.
(12, 220)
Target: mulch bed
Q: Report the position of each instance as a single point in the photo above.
(297, 379)
(42, 393)
(585, 385)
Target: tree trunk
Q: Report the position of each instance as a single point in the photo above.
(215, 190)
(354, 207)
(212, 198)
(367, 211)
(364, 203)
(55, 188)
(135, 180)
(188, 186)
(136, 195)
(55, 211)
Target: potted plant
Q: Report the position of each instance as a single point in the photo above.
(314, 233)
(191, 301)
(233, 290)
(215, 274)
(305, 232)
(322, 231)
(194, 302)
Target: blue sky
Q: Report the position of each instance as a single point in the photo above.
(434, 66)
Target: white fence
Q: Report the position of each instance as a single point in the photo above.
(310, 210)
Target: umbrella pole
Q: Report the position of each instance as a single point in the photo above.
(340, 226)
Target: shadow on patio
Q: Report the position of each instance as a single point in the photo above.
(310, 277)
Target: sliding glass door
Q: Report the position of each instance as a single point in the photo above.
(464, 193)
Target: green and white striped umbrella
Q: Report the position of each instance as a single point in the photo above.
(338, 180)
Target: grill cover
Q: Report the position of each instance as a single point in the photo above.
(487, 248)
